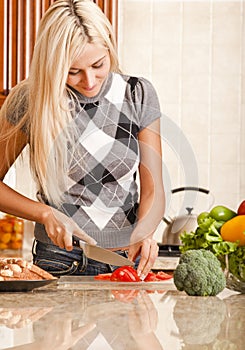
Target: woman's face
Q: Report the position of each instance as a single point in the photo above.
(90, 70)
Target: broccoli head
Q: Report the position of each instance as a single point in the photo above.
(199, 273)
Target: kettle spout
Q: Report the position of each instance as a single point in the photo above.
(189, 210)
(167, 220)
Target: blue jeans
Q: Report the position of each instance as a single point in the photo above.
(60, 262)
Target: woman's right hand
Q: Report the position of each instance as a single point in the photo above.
(60, 228)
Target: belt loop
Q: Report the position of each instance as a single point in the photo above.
(34, 245)
(126, 253)
(84, 259)
(109, 268)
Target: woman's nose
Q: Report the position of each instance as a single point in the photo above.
(88, 78)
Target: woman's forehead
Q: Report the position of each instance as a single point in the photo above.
(90, 54)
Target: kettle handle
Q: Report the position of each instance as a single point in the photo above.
(168, 220)
(190, 188)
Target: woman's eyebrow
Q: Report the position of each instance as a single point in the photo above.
(74, 68)
(99, 60)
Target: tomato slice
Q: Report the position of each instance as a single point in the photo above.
(163, 276)
(103, 276)
(159, 276)
(125, 274)
(151, 277)
(129, 274)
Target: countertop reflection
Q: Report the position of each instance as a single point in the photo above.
(53, 318)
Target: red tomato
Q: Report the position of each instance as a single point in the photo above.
(129, 274)
(103, 277)
(241, 208)
(125, 274)
(159, 276)
(163, 276)
(151, 277)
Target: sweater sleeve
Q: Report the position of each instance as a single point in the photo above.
(147, 103)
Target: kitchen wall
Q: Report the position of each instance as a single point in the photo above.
(194, 54)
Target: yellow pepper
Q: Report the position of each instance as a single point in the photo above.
(234, 230)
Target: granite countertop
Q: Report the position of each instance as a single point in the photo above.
(64, 316)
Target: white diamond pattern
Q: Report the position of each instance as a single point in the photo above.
(96, 142)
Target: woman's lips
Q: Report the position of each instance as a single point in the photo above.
(89, 88)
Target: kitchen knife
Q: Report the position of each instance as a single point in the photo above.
(100, 254)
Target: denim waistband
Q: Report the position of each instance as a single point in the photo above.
(60, 262)
(76, 253)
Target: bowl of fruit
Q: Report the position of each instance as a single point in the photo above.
(235, 270)
(11, 232)
(222, 231)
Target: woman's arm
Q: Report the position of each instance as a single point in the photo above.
(58, 226)
(152, 199)
(12, 202)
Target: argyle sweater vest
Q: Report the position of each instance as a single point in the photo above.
(102, 193)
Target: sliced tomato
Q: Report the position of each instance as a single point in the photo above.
(150, 277)
(129, 274)
(159, 276)
(163, 276)
(125, 274)
(103, 276)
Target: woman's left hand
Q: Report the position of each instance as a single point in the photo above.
(148, 251)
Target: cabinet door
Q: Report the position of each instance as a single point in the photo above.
(19, 20)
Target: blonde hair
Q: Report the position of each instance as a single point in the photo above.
(63, 32)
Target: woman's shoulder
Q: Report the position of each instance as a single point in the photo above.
(140, 93)
(22, 87)
(18, 95)
(134, 80)
(139, 87)
(16, 103)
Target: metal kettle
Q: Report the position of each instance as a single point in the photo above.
(178, 224)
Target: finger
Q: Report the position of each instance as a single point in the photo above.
(145, 252)
(60, 237)
(52, 236)
(152, 258)
(68, 241)
(133, 252)
(149, 254)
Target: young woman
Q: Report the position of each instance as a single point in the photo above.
(90, 131)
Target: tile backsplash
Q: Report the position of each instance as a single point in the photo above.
(194, 54)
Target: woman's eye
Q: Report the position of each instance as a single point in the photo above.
(96, 66)
(74, 72)
(77, 71)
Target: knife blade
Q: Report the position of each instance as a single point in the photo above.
(101, 254)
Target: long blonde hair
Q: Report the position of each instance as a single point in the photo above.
(63, 32)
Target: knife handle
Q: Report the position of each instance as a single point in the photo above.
(76, 241)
